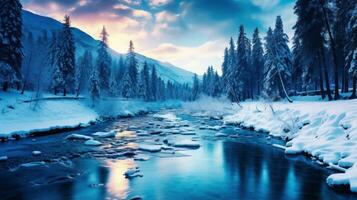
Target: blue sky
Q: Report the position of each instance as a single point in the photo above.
(191, 34)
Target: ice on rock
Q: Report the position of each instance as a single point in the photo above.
(109, 134)
(36, 153)
(142, 133)
(150, 148)
(132, 173)
(33, 164)
(187, 144)
(141, 157)
(78, 137)
(347, 178)
(188, 133)
(3, 158)
(93, 143)
(220, 135)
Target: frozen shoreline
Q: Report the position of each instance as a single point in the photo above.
(20, 118)
(325, 130)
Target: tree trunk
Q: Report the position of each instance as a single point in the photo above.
(327, 79)
(346, 84)
(354, 85)
(333, 48)
(64, 92)
(5, 86)
(321, 79)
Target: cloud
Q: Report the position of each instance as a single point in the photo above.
(159, 2)
(176, 26)
(195, 59)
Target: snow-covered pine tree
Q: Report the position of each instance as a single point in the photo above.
(343, 11)
(242, 74)
(232, 73)
(225, 66)
(351, 50)
(127, 91)
(153, 84)
(297, 65)
(10, 42)
(94, 87)
(145, 82)
(66, 60)
(113, 86)
(217, 85)
(196, 87)
(310, 30)
(104, 62)
(278, 63)
(132, 69)
(272, 81)
(257, 62)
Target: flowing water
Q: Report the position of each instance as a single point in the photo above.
(243, 165)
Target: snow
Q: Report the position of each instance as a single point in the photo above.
(33, 164)
(325, 130)
(187, 144)
(36, 153)
(3, 158)
(132, 173)
(23, 118)
(78, 137)
(92, 143)
(20, 116)
(150, 148)
(220, 135)
(105, 134)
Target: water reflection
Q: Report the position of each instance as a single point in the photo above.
(117, 184)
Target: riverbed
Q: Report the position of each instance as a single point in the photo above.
(214, 161)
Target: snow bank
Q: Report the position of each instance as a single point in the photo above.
(22, 114)
(19, 115)
(324, 130)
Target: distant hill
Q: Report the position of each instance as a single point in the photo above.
(38, 24)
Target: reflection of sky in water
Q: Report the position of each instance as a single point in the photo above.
(117, 184)
(244, 169)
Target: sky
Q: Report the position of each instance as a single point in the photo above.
(190, 34)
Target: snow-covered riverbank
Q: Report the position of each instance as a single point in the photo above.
(20, 115)
(324, 130)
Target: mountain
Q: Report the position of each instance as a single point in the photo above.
(39, 24)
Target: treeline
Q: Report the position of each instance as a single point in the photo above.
(49, 63)
(322, 60)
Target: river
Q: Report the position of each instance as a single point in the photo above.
(239, 165)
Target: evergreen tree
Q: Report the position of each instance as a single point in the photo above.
(132, 70)
(104, 62)
(225, 66)
(10, 42)
(351, 50)
(310, 30)
(196, 87)
(127, 91)
(94, 87)
(66, 60)
(278, 62)
(257, 62)
(232, 74)
(297, 66)
(343, 14)
(217, 85)
(145, 82)
(153, 84)
(242, 75)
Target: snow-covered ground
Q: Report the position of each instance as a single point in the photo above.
(21, 116)
(324, 130)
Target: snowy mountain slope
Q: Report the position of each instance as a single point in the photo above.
(39, 24)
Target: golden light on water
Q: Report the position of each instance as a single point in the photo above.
(118, 185)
